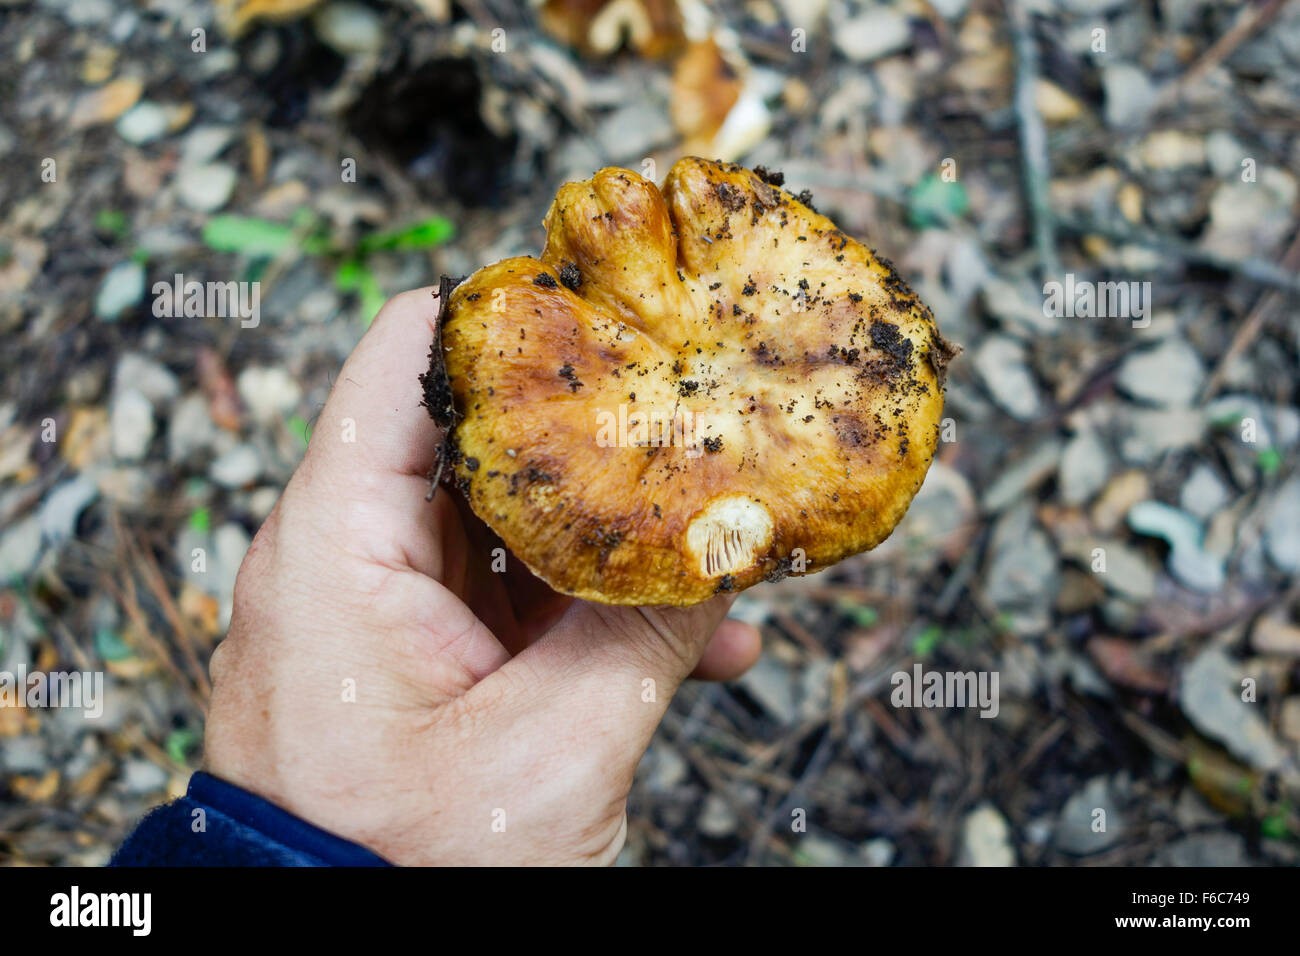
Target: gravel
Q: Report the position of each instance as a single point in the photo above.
(1002, 365)
(132, 424)
(1091, 820)
(121, 289)
(206, 187)
(986, 839)
(1210, 694)
(1171, 374)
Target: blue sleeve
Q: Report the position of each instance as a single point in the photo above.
(219, 824)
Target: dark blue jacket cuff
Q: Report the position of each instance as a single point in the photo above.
(219, 824)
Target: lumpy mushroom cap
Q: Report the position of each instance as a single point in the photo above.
(691, 391)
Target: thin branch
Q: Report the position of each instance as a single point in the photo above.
(1033, 139)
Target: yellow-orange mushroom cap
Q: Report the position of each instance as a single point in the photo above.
(691, 391)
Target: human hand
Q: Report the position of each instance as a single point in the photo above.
(381, 681)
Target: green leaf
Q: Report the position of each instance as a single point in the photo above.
(353, 275)
(201, 519)
(861, 616)
(372, 297)
(1270, 460)
(251, 236)
(1274, 827)
(111, 222)
(110, 646)
(933, 202)
(928, 640)
(348, 275)
(424, 234)
(179, 743)
(298, 425)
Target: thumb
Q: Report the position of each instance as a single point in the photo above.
(615, 669)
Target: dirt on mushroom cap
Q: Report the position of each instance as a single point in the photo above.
(691, 391)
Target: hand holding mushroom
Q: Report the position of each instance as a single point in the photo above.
(394, 676)
(383, 682)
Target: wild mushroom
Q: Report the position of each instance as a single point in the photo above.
(691, 391)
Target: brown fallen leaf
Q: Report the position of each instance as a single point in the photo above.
(106, 103)
(199, 608)
(223, 398)
(236, 16)
(652, 28)
(1125, 663)
(1274, 634)
(86, 440)
(705, 88)
(1228, 786)
(36, 789)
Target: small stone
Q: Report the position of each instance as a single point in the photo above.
(1122, 493)
(143, 123)
(20, 547)
(1188, 559)
(25, 754)
(1282, 532)
(717, 818)
(1168, 375)
(1274, 634)
(131, 425)
(1055, 104)
(1224, 153)
(128, 487)
(1289, 722)
(1205, 849)
(349, 28)
(1022, 476)
(943, 506)
(151, 379)
(191, 429)
(206, 187)
(1210, 695)
(1091, 7)
(63, 506)
(878, 852)
(1151, 432)
(1085, 465)
(986, 839)
(1090, 821)
(1129, 95)
(140, 776)
(121, 289)
(240, 466)
(230, 543)
(86, 13)
(770, 684)
(1023, 571)
(668, 769)
(635, 129)
(261, 501)
(1018, 307)
(1170, 149)
(1251, 218)
(814, 850)
(203, 144)
(1001, 364)
(269, 393)
(1127, 572)
(874, 34)
(1203, 493)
